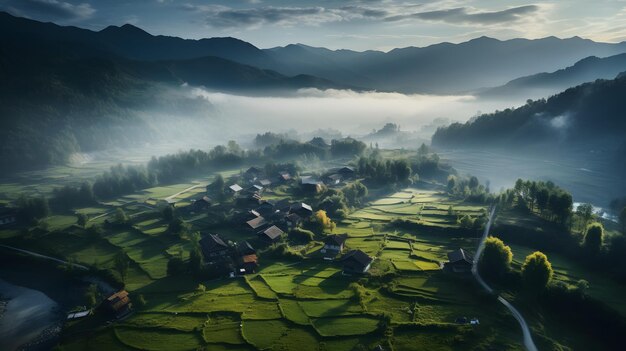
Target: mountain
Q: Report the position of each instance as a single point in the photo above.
(589, 117)
(443, 68)
(545, 84)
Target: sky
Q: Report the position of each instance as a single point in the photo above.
(341, 24)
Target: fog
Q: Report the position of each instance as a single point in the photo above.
(352, 113)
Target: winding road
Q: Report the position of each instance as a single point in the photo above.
(528, 340)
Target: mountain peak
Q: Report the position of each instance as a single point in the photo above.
(125, 29)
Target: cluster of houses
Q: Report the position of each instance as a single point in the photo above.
(269, 220)
(333, 177)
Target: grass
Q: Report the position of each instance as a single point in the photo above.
(345, 325)
(330, 308)
(158, 339)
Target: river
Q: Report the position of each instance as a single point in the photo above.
(29, 317)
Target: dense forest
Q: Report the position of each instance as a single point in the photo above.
(580, 118)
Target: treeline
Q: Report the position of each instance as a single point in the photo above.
(121, 180)
(317, 147)
(468, 188)
(544, 198)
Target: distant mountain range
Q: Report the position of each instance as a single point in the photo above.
(444, 68)
(546, 84)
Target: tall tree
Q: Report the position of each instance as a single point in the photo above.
(585, 212)
(496, 258)
(594, 237)
(536, 271)
(122, 263)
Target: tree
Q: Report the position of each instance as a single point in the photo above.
(120, 216)
(81, 219)
(451, 183)
(585, 212)
(536, 271)
(622, 219)
(323, 222)
(217, 187)
(175, 266)
(473, 182)
(91, 295)
(122, 263)
(168, 213)
(496, 258)
(593, 237)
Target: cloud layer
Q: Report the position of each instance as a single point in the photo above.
(227, 17)
(52, 9)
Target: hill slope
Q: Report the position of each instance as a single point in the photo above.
(544, 84)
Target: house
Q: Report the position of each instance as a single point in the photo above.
(266, 209)
(292, 220)
(284, 177)
(202, 203)
(8, 216)
(253, 173)
(248, 261)
(213, 248)
(250, 200)
(257, 223)
(356, 262)
(118, 304)
(333, 245)
(271, 234)
(459, 261)
(333, 179)
(346, 172)
(311, 184)
(265, 183)
(255, 189)
(283, 206)
(235, 188)
(301, 209)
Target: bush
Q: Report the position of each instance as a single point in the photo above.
(300, 235)
(496, 258)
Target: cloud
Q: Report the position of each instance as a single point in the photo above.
(463, 15)
(53, 9)
(227, 17)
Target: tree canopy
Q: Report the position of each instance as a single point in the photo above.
(496, 258)
(536, 271)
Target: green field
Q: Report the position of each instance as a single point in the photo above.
(306, 305)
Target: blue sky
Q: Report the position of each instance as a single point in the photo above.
(351, 24)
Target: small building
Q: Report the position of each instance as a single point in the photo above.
(253, 173)
(292, 220)
(266, 209)
(333, 245)
(265, 183)
(311, 184)
(284, 177)
(247, 264)
(257, 223)
(213, 248)
(346, 172)
(283, 206)
(356, 262)
(235, 188)
(244, 248)
(254, 189)
(118, 304)
(8, 216)
(302, 209)
(459, 261)
(202, 203)
(333, 179)
(271, 234)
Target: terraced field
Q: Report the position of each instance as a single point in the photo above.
(307, 305)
